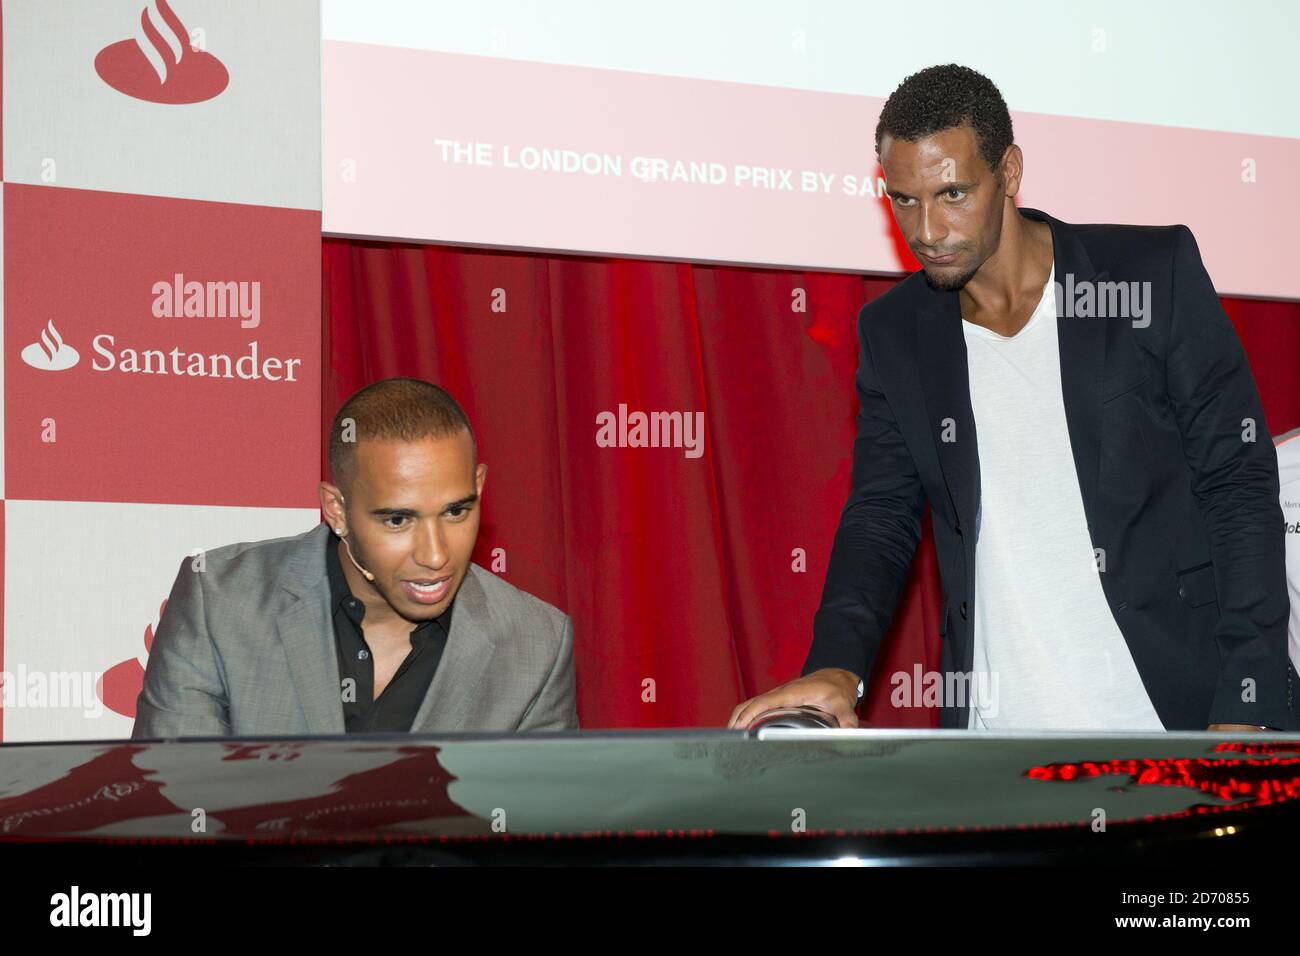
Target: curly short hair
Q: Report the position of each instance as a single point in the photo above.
(942, 97)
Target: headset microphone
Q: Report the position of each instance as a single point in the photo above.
(342, 537)
(366, 574)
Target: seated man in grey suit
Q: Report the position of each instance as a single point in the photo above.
(349, 627)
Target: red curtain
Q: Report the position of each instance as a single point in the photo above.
(692, 581)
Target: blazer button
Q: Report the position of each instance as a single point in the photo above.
(962, 609)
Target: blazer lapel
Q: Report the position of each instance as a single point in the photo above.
(307, 632)
(453, 694)
(940, 348)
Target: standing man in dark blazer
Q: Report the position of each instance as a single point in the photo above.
(1076, 407)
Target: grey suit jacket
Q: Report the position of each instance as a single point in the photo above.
(245, 647)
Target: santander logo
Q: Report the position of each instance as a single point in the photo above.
(159, 64)
(121, 683)
(51, 353)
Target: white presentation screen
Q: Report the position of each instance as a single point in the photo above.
(744, 131)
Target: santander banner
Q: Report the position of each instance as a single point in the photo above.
(196, 346)
(445, 130)
(161, 325)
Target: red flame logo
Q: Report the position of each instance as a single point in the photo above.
(121, 684)
(159, 64)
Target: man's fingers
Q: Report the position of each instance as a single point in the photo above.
(772, 700)
(760, 705)
(735, 711)
(748, 712)
(795, 694)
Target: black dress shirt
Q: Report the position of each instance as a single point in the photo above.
(395, 709)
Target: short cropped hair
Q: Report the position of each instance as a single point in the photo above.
(394, 409)
(943, 97)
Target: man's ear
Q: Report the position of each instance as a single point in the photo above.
(1011, 169)
(480, 476)
(331, 503)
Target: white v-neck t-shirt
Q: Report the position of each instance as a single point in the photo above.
(1047, 649)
